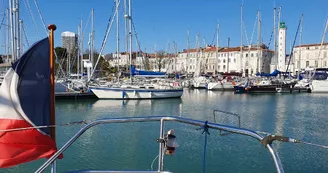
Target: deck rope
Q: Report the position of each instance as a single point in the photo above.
(205, 130)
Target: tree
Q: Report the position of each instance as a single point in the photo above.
(160, 55)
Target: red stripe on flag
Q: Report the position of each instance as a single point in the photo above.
(18, 147)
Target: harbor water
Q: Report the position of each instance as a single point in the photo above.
(133, 146)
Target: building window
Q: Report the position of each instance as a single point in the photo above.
(212, 67)
(325, 63)
(251, 55)
(229, 60)
(223, 61)
(219, 67)
(246, 55)
(219, 61)
(223, 67)
(234, 60)
(316, 63)
(307, 63)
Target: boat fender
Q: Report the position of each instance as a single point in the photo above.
(171, 143)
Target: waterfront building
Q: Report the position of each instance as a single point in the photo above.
(69, 41)
(201, 61)
(307, 56)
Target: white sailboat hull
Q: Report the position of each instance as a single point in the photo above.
(127, 94)
(225, 86)
(319, 86)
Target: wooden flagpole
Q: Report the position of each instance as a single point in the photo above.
(52, 28)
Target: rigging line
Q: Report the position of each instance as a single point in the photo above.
(3, 19)
(87, 23)
(213, 39)
(245, 33)
(42, 127)
(46, 30)
(25, 34)
(266, 56)
(152, 163)
(145, 62)
(291, 53)
(28, 6)
(109, 26)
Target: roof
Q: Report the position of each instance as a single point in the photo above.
(226, 49)
(311, 45)
(68, 34)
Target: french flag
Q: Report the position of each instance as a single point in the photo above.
(25, 105)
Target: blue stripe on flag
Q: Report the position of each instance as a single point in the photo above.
(33, 69)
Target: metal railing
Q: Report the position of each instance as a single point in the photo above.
(162, 120)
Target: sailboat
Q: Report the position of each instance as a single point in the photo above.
(134, 89)
(320, 86)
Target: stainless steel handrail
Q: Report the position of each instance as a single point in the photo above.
(162, 119)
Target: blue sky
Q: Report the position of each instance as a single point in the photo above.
(159, 22)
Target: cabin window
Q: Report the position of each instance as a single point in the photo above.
(307, 63)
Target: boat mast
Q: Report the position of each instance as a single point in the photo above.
(130, 34)
(117, 37)
(20, 38)
(197, 56)
(13, 33)
(259, 41)
(176, 56)
(92, 38)
(241, 41)
(81, 50)
(126, 29)
(217, 48)
(228, 55)
(300, 49)
(78, 51)
(7, 33)
(274, 37)
(17, 28)
(188, 50)
(204, 58)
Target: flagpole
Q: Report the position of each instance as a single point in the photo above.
(52, 28)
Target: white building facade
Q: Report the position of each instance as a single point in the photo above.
(210, 60)
(310, 56)
(69, 41)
